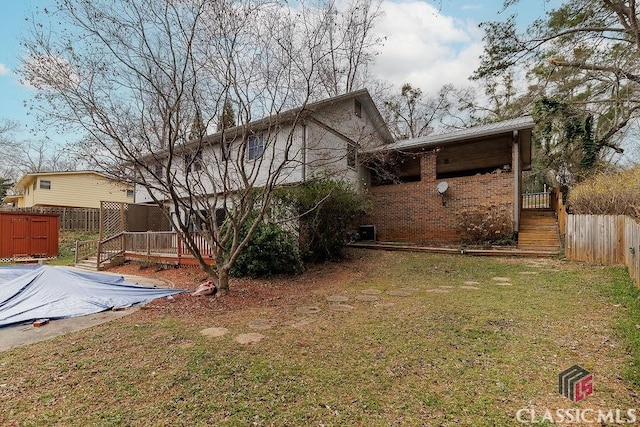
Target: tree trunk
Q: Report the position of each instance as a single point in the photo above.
(223, 281)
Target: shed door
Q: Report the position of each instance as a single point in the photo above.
(21, 228)
(39, 236)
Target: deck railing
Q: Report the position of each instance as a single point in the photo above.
(536, 200)
(151, 243)
(165, 243)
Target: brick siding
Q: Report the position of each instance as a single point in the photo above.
(414, 212)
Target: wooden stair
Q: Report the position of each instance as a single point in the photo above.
(91, 263)
(538, 231)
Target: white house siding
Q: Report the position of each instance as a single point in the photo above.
(314, 150)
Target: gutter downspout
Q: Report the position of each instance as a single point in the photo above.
(516, 180)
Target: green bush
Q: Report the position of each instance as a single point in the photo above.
(271, 250)
(327, 210)
(481, 225)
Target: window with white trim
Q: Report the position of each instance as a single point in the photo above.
(255, 147)
(45, 184)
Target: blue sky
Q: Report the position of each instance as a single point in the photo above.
(429, 43)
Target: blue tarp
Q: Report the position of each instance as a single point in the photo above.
(29, 293)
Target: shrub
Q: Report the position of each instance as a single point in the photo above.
(271, 250)
(608, 194)
(480, 225)
(327, 210)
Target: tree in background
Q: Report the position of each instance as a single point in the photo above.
(132, 74)
(410, 114)
(583, 65)
(19, 157)
(227, 119)
(5, 186)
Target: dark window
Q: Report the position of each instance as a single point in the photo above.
(193, 163)
(45, 184)
(130, 193)
(255, 147)
(351, 155)
(357, 108)
(221, 215)
(157, 169)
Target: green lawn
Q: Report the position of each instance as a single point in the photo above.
(449, 352)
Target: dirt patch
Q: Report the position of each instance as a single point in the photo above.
(214, 332)
(249, 338)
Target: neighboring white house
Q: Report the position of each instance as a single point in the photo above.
(323, 138)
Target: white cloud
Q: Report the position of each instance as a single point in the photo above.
(4, 70)
(426, 48)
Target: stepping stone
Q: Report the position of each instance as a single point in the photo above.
(399, 293)
(501, 279)
(366, 298)
(438, 291)
(504, 284)
(471, 283)
(371, 291)
(446, 287)
(308, 310)
(341, 307)
(301, 322)
(249, 338)
(529, 272)
(214, 332)
(261, 324)
(337, 298)
(471, 288)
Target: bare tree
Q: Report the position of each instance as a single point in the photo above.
(410, 114)
(19, 156)
(137, 75)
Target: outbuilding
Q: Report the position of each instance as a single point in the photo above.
(28, 235)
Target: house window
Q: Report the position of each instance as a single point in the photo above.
(255, 147)
(193, 163)
(45, 184)
(130, 194)
(357, 108)
(226, 150)
(221, 215)
(351, 155)
(197, 161)
(157, 169)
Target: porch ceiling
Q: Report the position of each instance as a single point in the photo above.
(483, 146)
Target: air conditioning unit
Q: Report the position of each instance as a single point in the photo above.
(367, 232)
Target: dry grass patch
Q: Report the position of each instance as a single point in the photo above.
(464, 357)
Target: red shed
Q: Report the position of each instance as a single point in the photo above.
(28, 235)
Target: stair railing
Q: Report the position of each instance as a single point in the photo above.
(85, 249)
(557, 204)
(110, 248)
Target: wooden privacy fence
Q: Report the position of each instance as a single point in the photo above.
(71, 219)
(604, 239)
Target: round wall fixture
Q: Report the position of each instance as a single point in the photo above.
(442, 187)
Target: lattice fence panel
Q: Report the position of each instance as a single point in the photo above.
(113, 219)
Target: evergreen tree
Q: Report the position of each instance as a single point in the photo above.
(227, 119)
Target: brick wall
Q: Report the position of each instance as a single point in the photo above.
(414, 212)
